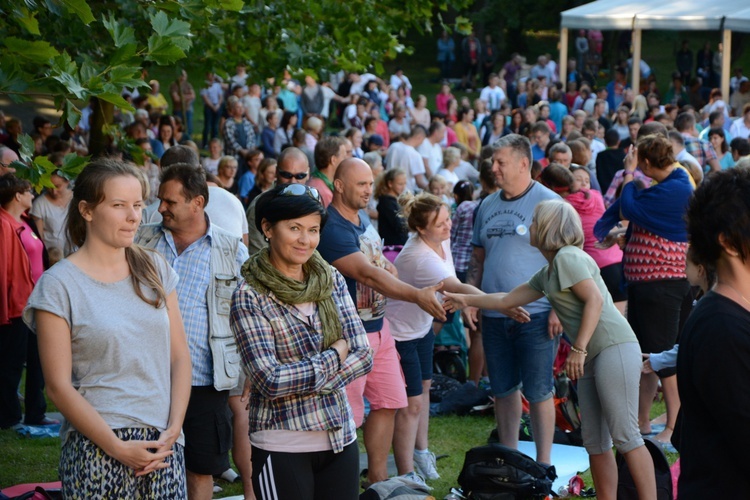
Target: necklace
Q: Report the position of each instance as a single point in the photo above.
(735, 291)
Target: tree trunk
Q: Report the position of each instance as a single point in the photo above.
(103, 114)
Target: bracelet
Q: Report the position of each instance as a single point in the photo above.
(579, 351)
(628, 173)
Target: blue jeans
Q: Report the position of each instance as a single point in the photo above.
(210, 124)
(519, 356)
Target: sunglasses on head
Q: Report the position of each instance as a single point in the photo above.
(289, 175)
(300, 190)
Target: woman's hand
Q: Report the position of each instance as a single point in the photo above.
(454, 301)
(574, 365)
(631, 160)
(168, 437)
(519, 314)
(138, 455)
(341, 347)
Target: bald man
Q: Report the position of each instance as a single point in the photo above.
(353, 246)
(7, 156)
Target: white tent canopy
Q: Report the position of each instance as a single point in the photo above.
(676, 15)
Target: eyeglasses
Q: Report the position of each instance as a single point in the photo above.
(289, 175)
(300, 190)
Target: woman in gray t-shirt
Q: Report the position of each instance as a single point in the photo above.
(113, 347)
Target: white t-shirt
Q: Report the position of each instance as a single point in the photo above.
(328, 94)
(433, 153)
(739, 129)
(596, 148)
(685, 157)
(210, 165)
(493, 97)
(419, 266)
(449, 176)
(406, 158)
(252, 106)
(396, 82)
(225, 210)
(54, 218)
(359, 87)
(465, 171)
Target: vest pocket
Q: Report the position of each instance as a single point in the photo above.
(223, 289)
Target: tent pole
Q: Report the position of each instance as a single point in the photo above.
(564, 58)
(726, 62)
(636, 81)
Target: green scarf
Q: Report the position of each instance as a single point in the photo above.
(317, 287)
(320, 175)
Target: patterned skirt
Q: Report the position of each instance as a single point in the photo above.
(89, 473)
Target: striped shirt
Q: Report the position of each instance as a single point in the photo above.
(461, 233)
(649, 257)
(297, 384)
(192, 266)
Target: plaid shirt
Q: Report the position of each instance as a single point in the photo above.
(297, 385)
(611, 195)
(231, 135)
(461, 232)
(702, 150)
(192, 267)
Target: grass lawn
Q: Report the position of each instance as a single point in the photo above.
(25, 460)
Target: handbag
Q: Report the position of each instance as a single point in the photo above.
(496, 472)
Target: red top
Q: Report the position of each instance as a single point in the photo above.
(16, 283)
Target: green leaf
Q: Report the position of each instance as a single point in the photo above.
(232, 5)
(27, 147)
(37, 51)
(12, 82)
(72, 84)
(126, 76)
(163, 51)
(163, 26)
(117, 100)
(71, 114)
(44, 163)
(87, 71)
(73, 165)
(80, 8)
(123, 55)
(27, 19)
(121, 34)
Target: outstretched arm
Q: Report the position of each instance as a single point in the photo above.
(503, 302)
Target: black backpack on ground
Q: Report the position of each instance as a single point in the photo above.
(496, 472)
(625, 484)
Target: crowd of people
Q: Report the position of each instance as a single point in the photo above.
(283, 284)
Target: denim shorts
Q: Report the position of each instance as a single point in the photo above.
(416, 361)
(519, 356)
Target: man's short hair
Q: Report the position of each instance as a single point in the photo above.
(327, 148)
(417, 130)
(519, 144)
(540, 127)
(435, 126)
(611, 138)
(559, 147)
(742, 146)
(684, 122)
(715, 115)
(590, 124)
(193, 180)
(675, 136)
(179, 154)
(653, 127)
(634, 119)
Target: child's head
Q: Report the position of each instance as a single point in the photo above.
(699, 274)
(582, 177)
(437, 185)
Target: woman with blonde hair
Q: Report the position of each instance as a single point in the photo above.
(605, 357)
(113, 347)
(227, 172)
(424, 261)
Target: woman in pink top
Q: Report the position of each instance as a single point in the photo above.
(443, 98)
(23, 259)
(590, 207)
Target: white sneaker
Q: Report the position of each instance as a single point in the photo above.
(425, 463)
(414, 479)
(229, 475)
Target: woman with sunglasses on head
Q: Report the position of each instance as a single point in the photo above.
(301, 342)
